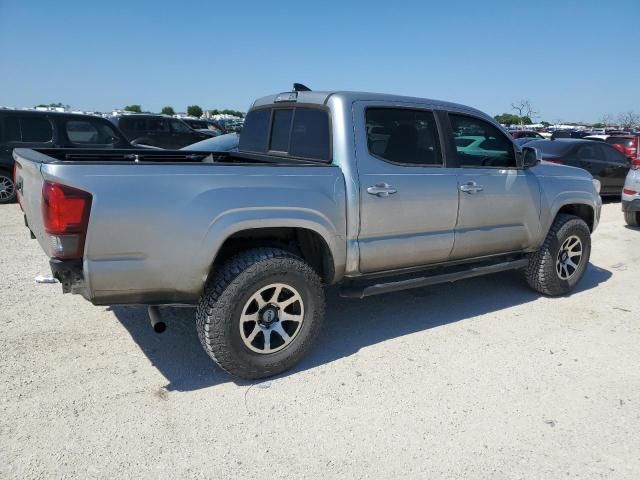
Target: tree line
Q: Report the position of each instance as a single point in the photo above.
(524, 115)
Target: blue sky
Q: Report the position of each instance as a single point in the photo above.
(574, 60)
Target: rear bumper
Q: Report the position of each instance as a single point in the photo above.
(632, 206)
(69, 274)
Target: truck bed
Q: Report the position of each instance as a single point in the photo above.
(145, 155)
(157, 221)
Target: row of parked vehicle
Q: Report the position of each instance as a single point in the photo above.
(612, 158)
(37, 129)
(607, 157)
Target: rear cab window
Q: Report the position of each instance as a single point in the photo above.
(296, 131)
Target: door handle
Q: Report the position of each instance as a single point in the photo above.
(381, 190)
(471, 187)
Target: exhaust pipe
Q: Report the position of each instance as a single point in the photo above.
(156, 321)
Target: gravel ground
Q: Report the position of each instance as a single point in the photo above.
(479, 379)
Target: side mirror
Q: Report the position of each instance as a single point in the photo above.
(531, 157)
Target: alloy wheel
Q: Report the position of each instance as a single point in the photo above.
(271, 318)
(7, 188)
(569, 257)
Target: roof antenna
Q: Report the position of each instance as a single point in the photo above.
(298, 87)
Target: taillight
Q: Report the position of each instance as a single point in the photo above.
(635, 164)
(626, 191)
(65, 213)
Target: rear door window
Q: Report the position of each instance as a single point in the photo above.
(178, 126)
(157, 125)
(590, 152)
(403, 135)
(29, 129)
(85, 132)
(134, 124)
(12, 126)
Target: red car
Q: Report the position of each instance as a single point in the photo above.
(525, 133)
(627, 144)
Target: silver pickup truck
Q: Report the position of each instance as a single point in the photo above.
(376, 193)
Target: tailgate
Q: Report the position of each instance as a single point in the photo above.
(29, 183)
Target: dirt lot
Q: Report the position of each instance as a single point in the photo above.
(479, 379)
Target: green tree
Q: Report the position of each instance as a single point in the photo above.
(168, 110)
(508, 119)
(194, 111)
(235, 113)
(133, 108)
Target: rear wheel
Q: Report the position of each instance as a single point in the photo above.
(558, 266)
(260, 313)
(632, 218)
(7, 187)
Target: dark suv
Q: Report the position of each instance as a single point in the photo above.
(35, 129)
(158, 130)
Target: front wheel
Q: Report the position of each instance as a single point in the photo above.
(260, 313)
(7, 187)
(559, 264)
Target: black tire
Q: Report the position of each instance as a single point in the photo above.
(7, 187)
(632, 218)
(541, 273)
(226, 296)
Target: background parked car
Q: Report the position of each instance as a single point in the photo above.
(631, 195)
(568, 134)
(524, 140)
(158, 130)
(223, 143)
(525, 133)
(34, 129)
(600, 159)
(627, 144)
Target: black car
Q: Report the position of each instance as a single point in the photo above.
(158, 130)
(603, 161)
(568, 134)
(36, 129)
